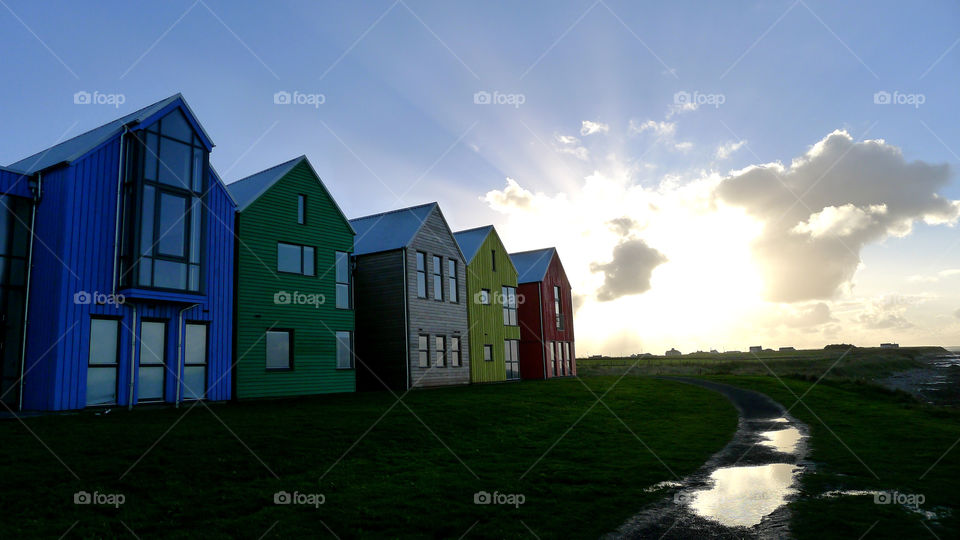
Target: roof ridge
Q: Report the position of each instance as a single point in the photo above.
(474, 229)
(533, 250)
(277, 166)
(395, 211)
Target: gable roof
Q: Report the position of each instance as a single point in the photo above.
(470, 240)
(247, 190)
(389, 230)
(532, 265)
(75, 148)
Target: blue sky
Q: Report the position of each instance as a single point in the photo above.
(399, 126)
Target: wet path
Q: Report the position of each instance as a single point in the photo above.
(742, 490)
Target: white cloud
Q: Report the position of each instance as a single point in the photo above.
(571, 145)
(918, 278)
(511, 197)
(629, 271)
(852, 193)
(589, 128)
(724, 151)
(665, 133)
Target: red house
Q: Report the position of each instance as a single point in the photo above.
(546, 315)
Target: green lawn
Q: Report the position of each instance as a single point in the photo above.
(858, 428)
(399, 480)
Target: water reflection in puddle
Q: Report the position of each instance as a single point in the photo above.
(741, 496)
(783, 440)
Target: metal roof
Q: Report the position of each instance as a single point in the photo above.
(470, 240)
(389, 230)
(532, 265)
(77, 147)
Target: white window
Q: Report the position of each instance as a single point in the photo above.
(279, 349)
(423, 350)
(550, 357)
(511, 355)
(508, 296)
(488, 353)
(455, 351)
(441, 351)
(102, 363)
(195, 361)
(344, 350)
(485, 297)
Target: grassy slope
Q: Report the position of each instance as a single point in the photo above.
(398, 481)
(895, 437)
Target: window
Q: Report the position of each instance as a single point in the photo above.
(511, 354)
(423, 348)
(437, 278)
(344, 350)
(559, 357)
(295, 259)
(567, 366)
(164, 217)
(550, 364)
(452, 279)
(485, 297)
(488, 353)
(421, 275)
(302, 209)
(152, 371)
(342, 262)
(441, 352)
(195, 361)
(556, 307)
(455, 351)
(509, 299)
(279, 349)
(102, 362)
(493, 260)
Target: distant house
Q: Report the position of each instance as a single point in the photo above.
(672, 352)
(294, 315)
(756, 349)
(411, 301)
(546, 315)
(126, 275)
(787, 349)
(889, 345)
(491, 306)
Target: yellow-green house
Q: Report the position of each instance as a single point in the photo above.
(491, 306)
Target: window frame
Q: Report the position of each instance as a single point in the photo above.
(453, 283)
(350, 354)
(339, 284)
(509, 305)
(423, 351)
(557, 307)
(206, 357)
(163, 360)
(440, 344)
(455, 352)
(301, 209)
(488, 347)
(422, 275)
(303, 259)
(493, 260)
(437, 276)
(115, 365)
(485, 297)
(290, 349)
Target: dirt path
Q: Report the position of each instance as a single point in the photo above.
(742, 490)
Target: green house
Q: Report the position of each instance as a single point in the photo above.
(294, 305)
(491, 306)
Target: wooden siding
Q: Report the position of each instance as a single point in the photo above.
(486, 321)
(432, 317)
(73, 253)
(270, 219)
(538, 324)
(380, 321)
(532, 350)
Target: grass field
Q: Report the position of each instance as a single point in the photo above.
(841, 363)
(868, 438)
(201, 471)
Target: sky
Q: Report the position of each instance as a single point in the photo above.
(714, 175)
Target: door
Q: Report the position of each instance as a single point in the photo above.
(14, 245)
(151, 374)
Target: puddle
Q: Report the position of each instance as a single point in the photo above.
(783, 440)
(662, 485)
(742, 496)
(908, 502)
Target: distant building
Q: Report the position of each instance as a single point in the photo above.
(714, 351)
(787, 349)
(672, 352)
(889, 345)
(756, 349)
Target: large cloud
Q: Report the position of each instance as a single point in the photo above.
(630, 270)
(819, 212)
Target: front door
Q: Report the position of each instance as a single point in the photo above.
(152, 370)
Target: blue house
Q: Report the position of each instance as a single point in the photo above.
(116, 256)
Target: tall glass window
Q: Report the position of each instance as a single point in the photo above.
(556, 307)
(437, 278)
(342, 261)
(421, 275)
(195, 361)
(164, 224)
(452, 280)
(508, 296)
(152, 369)
(102, 362)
